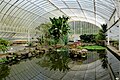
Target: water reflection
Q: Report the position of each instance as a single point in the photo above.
(103, 57)
(57, 59)
(4, 71)
(60, 59)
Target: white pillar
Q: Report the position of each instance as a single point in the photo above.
(119, 32)
(81, 30)
(108, 39)
(28, 36)
(74, 38)
(119, 35)
(108, 33)
(118, 11)
(74, 27)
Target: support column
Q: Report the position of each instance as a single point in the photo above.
(119, 35)
(74, 31)
(119, 21)
(108, 39)
(28, 36)
(108, 33)
(81, 30)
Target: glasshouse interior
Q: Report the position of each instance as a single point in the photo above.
(59, 39)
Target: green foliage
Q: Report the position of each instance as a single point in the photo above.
(30, 44)
(80, 47)
(59, 28)
(101, 35)
(65, 39)
(4, 71)
(44, 29)
(3, 45)
(88, 38)
(3, 60)
(40, 40)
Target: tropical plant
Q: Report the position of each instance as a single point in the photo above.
(59, 28)
(3, 45)
(44, 29)
(102, 33)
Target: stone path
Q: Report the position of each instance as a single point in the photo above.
(29, 70)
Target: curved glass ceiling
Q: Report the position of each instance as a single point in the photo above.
(28, 14)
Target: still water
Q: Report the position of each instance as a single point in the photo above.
(80, 69)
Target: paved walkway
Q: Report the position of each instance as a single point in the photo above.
(114, 50)
(29, 70)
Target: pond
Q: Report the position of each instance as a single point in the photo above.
(56, 66)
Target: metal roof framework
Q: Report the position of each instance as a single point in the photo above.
(19, 16)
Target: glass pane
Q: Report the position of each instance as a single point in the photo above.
(87, 4)
(21, 4)
(68, 12)
(6, 8)
(78, 12)
(11, 9)
(2, 6)
(100, 20)
(72, 4)
(12, 1)
(14, 11)
(57, 13)
(7, 1)
(59, 4)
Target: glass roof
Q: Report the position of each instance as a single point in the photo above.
(28, 14)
